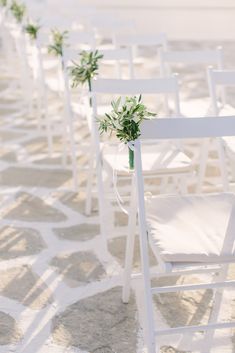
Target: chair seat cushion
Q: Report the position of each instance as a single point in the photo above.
(192, 228)
(155, 159)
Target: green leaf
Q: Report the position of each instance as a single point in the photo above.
(120, 120)
(58, 42)
(32, 30)
(86, 69)
(18, 10)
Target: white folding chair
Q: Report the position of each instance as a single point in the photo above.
(41, 44)
(118, 57)
(76, 39)
(186, 58)
(190, 57)
(135, 41)
(189, 234)
(16, 31)
(166, 162)
(220, 80)
(109, 25)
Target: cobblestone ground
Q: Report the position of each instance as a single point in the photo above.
(59, 292)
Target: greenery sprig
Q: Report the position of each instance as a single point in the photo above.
(18, 10)
(59, 39)
(3, 3)
(125, 119)
(32, 30)
(84, 71)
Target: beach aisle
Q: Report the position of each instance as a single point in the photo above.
(59, 293)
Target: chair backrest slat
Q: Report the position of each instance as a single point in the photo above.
(192, 56)
(218, 80)
(182, 128)
(142, 40)
(78, 38)
(222, 77)
(116, 54)
(136, 86)
(189, 57)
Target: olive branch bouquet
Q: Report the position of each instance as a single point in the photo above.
(84, 71)
(32, 30)
(58, 42)
(3, 3)
(18, 10)
(124, 121)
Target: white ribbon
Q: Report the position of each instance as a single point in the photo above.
(115, 176)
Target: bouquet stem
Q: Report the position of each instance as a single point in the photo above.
(89, 86)
(131, 159)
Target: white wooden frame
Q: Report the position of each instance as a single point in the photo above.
(120, 87)
(159, 40)
(109, 25)
(178, 128)
(41, 42)
(218, 80)
(136, 40)
(208, 57)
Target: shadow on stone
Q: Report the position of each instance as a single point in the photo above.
(169, 349)
(17, 242)
(76, 201)
(117, 247)
(101, 323)
(184, 308)
(80, 232)
(78, 268)
(14, 176)
(24, 286)
(9, 331)
(30, 208)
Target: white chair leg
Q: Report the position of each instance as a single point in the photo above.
(148, 302)
(218, 296)
(73, 151)
(89, 185)
(64, 144)
(183, 187)
(48, 132)
(130, 243)
(164, 182)
(39, 109)
(102, 202)
(203, 158)
(222, 162)
(232, 166)
(47, 123)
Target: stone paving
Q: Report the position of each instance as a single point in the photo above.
(59, 291)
